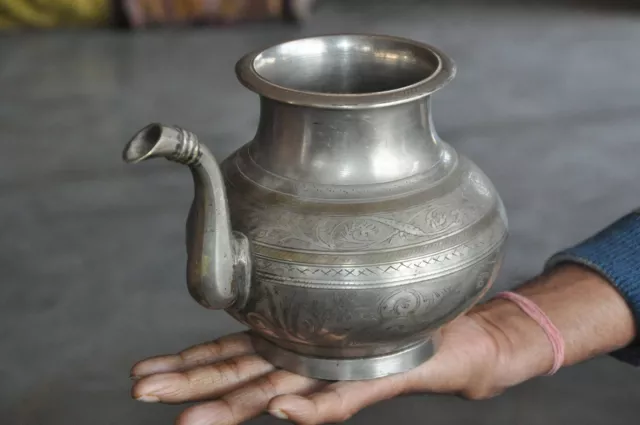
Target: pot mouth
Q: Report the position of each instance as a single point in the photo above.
(346, 71)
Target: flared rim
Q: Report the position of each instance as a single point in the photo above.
(443, 72)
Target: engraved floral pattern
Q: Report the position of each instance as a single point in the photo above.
(400, 304)
(353, 317)
(356, 232)
(292, 315)
(407, 271)
(283, 227)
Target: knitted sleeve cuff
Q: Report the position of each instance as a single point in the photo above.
(614, 253)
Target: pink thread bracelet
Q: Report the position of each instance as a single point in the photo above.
(535, 313)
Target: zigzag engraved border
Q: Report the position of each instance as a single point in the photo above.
(416, 269)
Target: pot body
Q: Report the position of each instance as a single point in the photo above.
(368, 232)
(360, 280)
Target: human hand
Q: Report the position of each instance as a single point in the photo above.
(494, 347)
(234, 384)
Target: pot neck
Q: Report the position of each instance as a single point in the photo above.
(346, 147)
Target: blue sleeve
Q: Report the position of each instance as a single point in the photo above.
(614, 253)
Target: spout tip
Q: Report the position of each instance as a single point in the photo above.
(143, 144)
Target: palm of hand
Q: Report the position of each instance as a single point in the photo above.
(235, 385)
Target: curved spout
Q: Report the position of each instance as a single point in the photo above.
(218, 264)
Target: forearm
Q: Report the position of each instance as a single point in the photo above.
(589, 312)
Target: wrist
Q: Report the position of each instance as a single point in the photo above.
(523, 350)
(588, 312)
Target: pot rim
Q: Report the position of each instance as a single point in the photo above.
(444, 71)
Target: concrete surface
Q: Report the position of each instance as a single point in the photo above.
(546, 102)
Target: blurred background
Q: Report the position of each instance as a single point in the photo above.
(546, 101)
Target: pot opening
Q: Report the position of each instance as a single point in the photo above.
(346, 64)
(346, 71)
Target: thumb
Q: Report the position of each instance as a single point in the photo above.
(337, 402)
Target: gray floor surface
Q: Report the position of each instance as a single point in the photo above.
(546, 101)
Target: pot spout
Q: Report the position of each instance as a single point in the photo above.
(218, 263)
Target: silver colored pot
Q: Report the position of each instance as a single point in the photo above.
(346, 233)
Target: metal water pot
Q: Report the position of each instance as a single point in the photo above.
(346, 233)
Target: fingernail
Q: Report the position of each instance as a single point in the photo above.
(156, 385)
(148, 399)
(134, 377)
(278, 414)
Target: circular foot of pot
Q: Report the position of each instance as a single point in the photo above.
(352, 369)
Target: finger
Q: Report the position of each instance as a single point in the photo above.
(337, 402)
(201, 383)
(249, 401)
(226, 347)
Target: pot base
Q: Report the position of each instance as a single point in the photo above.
(351, 369)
